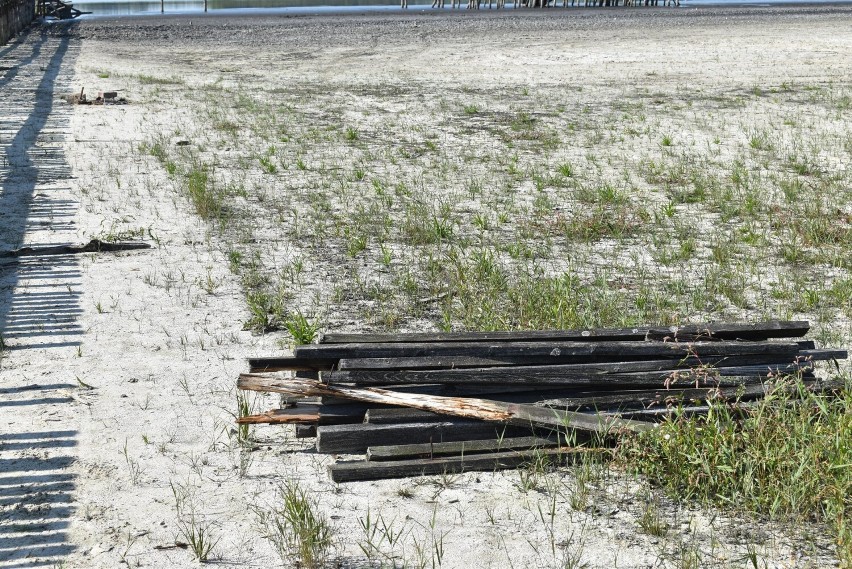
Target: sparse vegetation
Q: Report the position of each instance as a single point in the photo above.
(610, 213)
(299, 530)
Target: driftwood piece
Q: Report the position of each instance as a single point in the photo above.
(374, 470)
(458, 448)
(481, 409)
(93, 246)
(786, 351)
(335, 439)
(279, 417)
(758, 331)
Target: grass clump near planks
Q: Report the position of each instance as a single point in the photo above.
(789, 458)
(299, 530)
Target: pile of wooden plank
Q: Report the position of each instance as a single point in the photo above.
(433, 403)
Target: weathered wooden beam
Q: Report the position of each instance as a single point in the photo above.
(261, 365)
(354, 471)
(462, 362)
(606, 401)
(336, 439)
(458, 448)
(481, 409)
(279, 417)
(319, 414)
(396, 415)
(549, 376)
(304, 431)
(735, 331)
(604, 350)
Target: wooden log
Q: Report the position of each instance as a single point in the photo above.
(354, 471)
(606, 351)
(458, 448)
(336, 439)
(462, 362)
(481, 409)
(735, 331)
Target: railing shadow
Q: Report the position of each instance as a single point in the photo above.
(35, 497)
(39, 296)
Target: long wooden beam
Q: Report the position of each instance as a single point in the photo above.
(350, 439)
(549, 376)
(375, 470)
(561, 349)
(461, 362)
(482, 409)
(458, 448)
(735, 331)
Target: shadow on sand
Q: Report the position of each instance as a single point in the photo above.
(39, 299)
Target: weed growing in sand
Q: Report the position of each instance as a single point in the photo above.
(302, 329)
(381, 538)
(133, 467)
(297, 528)
(199, 536)
(244, 409)
(651, 521)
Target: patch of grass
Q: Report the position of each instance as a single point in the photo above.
(199, 537)
(208, 200)
(299, 531)
(788, 458)
(156, 80)
(302, 329)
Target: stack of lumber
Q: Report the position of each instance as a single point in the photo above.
(428, 403)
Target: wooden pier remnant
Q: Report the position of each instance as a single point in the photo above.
(15, 15)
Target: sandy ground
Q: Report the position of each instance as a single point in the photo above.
(118, 378)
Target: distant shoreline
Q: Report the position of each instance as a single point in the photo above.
(420, 8)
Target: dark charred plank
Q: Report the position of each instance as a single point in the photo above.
(464, 362)
(690, 332)
(336, 439)
(548, 376)
(396, 415)
(261, 365)
(607, 351)
(354, 471)
(460, 448)
(304, 431)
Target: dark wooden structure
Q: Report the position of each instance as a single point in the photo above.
(15, 15)
(432, 403)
